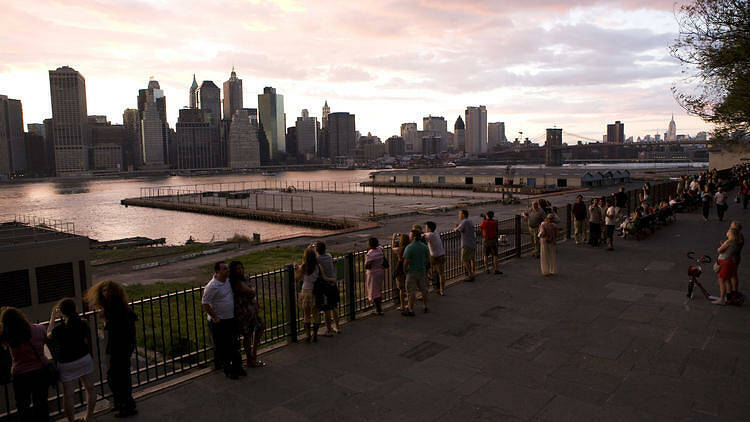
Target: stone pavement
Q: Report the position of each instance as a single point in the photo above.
(610, 338)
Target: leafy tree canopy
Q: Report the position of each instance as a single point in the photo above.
(713, 47)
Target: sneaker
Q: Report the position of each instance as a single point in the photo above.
(230, 375)
(720, 301)
(411, 313)
(427, 310)
(405, 312)
(498, 272)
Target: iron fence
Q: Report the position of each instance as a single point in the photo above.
(172, 330)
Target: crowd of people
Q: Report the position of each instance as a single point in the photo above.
(68, 337)
(233, 310)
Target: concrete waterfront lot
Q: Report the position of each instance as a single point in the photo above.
(611, 337)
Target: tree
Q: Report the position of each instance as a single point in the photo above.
(713, 47)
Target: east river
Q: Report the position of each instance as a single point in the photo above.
(94, 205)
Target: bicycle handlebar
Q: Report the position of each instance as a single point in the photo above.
(703, 260)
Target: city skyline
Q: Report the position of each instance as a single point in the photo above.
(513, 59)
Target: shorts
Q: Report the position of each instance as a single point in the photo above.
(71, 371)
(416, 281)
(490, 247)
(467, 254)
(610, 231)
(437, 263)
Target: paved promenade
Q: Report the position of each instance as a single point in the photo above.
(609, 338)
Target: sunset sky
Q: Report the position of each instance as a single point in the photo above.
(575, 64)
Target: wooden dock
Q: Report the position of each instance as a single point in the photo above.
(296, 219)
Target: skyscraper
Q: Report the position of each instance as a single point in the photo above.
(671, 131)
(271, 116)
(324, 116)
(307, 133)
(209, 100)
(195, 139)
(459, 135)
(131, 149)
(615, 133)
(153, 129)
(496, 134)
(476, 130)
(435, 127)
(410, 135)
(193, 101)
(232, 95)
(70, 130)
(243, 148)
(341, 134)
(12, 140)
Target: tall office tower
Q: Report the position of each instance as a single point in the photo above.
(12, 140)
(496, 134)
(476, 130)
(436, 126)
(131, 149)
(36, 128)
(153, 129)
(553, 145)
(410, 135)
(291, 142)
(193, 101)
(324, 116)
(459, 135)
(243, 148)
(342, 134)
(671, 131)
(209, 100)
(232, 95)
(70, 130)
(615, 133)
(394, 146)
(271, 116)
(195, 139)
(307, 134)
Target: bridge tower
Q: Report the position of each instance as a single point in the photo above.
(553, 146)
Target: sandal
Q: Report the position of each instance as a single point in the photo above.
(257, 364)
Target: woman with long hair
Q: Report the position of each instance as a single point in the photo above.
(331, 313)
(30, 377)
(71, 341)
(740, 239)
(110, 300)
(547, 247)
(399, 242)
(247, 312)
(375, 274)
(308, 274)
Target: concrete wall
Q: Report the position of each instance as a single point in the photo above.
(31, 255)
(726, 156)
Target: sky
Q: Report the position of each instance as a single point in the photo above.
(534, 64)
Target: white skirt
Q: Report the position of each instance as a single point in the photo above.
(71, 371)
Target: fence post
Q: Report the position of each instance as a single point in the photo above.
(518, 235)
(291, 302)
(350, 285)
(569, 212)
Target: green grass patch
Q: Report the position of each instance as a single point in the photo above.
(105, 256)
(138, 291)
(261, 261)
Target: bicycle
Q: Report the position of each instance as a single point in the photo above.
(694, 272)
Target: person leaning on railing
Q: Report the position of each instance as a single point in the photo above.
(218, 303)
(110, 300)
(308, 275)
(30, 377)
(534, 217)
(71, 340)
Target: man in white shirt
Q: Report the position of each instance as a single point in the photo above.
(218, 302)
(437, 254)
(720, 199)
(610, 221)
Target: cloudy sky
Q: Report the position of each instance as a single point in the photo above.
(534, 63)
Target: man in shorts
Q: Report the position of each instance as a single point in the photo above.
(468, 242)
(489, 234)
(415, 265)
(437, 254)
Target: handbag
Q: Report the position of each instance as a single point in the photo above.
(50, 370)
(717, 267)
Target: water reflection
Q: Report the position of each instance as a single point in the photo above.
(69, 187)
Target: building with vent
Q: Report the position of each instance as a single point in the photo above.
(41, 262)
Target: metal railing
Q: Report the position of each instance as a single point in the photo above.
(172, 335)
